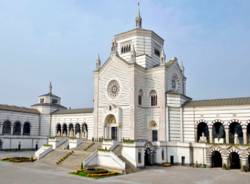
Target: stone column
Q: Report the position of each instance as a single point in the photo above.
(68, 131)
(244, 129)
(227, 134)
(195, 134)
(210, 129)
(21, 133)
(243, 162)
(225, 161)
(1, 128)
(11, 129)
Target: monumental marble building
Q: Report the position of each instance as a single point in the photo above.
(139, 98)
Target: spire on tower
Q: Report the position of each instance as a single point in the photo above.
(138, 19)
(163, 56)
(133, 54)
(50, 87)
(98, 62)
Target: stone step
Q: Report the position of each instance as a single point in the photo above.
(74, 161)
(54, 156)
(130, 168)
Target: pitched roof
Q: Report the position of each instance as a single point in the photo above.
(75, 111)
(18, 109)
(49, 105)
(219, 102)
(50, 94)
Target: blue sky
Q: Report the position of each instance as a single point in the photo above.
(58, 40)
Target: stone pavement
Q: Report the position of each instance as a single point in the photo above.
(44, 174)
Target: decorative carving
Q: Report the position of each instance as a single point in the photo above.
(113, 88)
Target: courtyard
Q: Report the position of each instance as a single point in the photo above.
(37, 173)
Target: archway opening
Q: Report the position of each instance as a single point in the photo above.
(26, 128)
(65, 130)
(149, 155)
(147, 158)
(85, 131)
(248, 134)
(111, 130)
(216, 159)
(17, 128)
(235, 133)
(218, 133)
(6, 128)
(202, 132)
(78, 130)
(248, 160)
(58, 130)
(1, 144)
(234, 159)
(71, 130)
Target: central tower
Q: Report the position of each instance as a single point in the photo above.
(140, 45)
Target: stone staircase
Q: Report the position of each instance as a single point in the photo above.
(80, 154)
(74, 161)
(129, 168)
(53, 157)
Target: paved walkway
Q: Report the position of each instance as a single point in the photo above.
(4, 154)
(43, 174)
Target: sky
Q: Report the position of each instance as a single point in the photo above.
(58, 41)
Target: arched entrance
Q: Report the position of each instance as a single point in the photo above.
(78, 130)
(149, 155)
(58, 130)
(216, 159)
(248, 133)
(71, 130)
(202, 132)
(17, 128)
(1, 144)
(65, 130)
(235, 133)
(111, 129)
(6, 128)
(26, 128)
(85, 131)
(249, 160)
(218, 133)
(234, 160)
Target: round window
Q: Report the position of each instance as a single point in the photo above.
(113, 88)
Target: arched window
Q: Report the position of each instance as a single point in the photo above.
(58, 129)
(154, 135)
(65, 130)
(202, 132)
(153, 97)
(6, 128)
(248, 133)
(17, 128)
(26, 128)
(140, 95)
(78, 130)
(235, 133)
(71, 130)
(85, 130)
(125, 48)
(174, 82)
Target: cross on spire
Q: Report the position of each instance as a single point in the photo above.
(138, 19)
(50, 87)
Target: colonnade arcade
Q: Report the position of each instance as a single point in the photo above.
(15, 128)
(72, 130)
(219, 132)
(228, 156)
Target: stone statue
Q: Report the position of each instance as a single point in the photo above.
(203, 138)
(236, 139)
